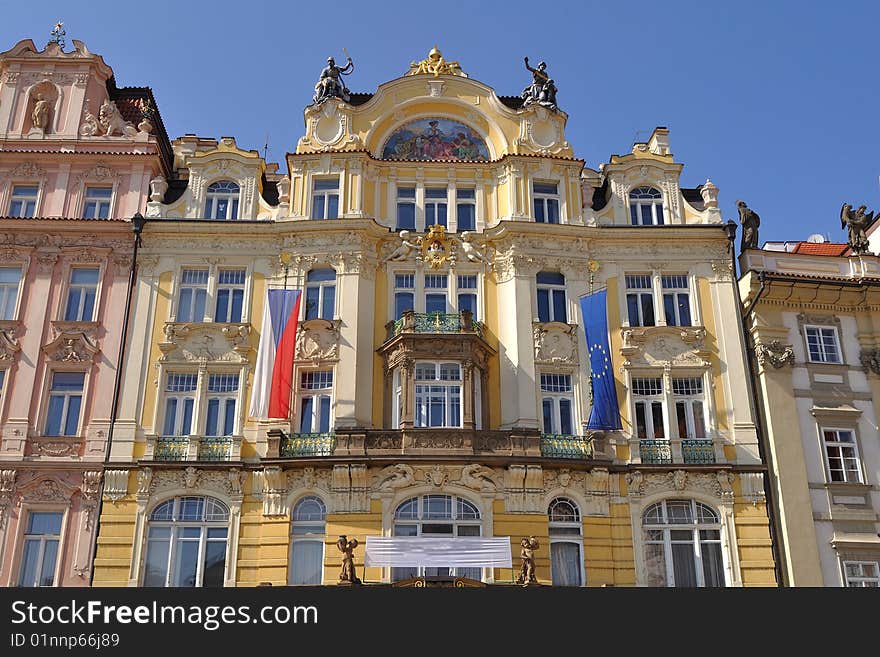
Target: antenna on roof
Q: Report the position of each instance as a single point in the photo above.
(266, 148)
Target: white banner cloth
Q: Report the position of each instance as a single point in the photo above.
(438, 551)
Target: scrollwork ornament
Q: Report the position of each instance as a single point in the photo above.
(870, 360)
(774, 353)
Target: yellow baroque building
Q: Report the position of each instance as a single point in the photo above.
(441, 237)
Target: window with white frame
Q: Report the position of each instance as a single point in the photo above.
(862, 574)
(690, 410)
(180, 401)
(39, 553)
(406, 208)
(465, 209)
(842, 455)
(10, 281)
(65, 402)
(316, 393)
(221, 402)
(221, 200)
(435, 206)
(96, 202)
(822, 344)
(404, 293)
(566, 543)
(307, 529)
(193, 295)
(682, 543)
(325, 198)
(467, 293)
(436, 515)
(639, 300)
(438, 395)
(551, 297)
(186, 543)
(648, 396)
(557, 404)
(676, 300)
(23, 201)
(546, 198)
(646, 207)
(436, 293)
(230, 295)
(82, 291)
(320, 294)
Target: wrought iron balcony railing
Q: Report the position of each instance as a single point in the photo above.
(171, 448)
(655, 451)
(564, 446)
(413, 322)
(308, 444)
(698, 451)
(215, 448)
(209, 448)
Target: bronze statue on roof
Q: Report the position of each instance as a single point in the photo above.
(857, 223)
(750, 222)
(330, 83)
(542, 90)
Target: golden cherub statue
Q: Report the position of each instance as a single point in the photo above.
(435, 65)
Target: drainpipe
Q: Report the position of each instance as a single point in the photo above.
(756, 406)
(137, 227)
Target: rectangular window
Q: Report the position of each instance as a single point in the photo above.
(862, 573)
(557, 402)
(320, 294)
(180, 400)
(39, 554)
(689, 407)
(230, 295)
(551, 297)
(648, 394)
(222, 397)
(546, 197)
(10, 279)
(467, 294)
(639, 300)
(325, 198)
(466, 209)
(96, 204)
(81, 294)
(65, 401)
(315, 401)
(435, 293)
(23, 201)
(435, 206)
(404, 295)
(676, 300)
(822, 344)
(438, 395)
(842, 455)
(193, 295)
(406, 208)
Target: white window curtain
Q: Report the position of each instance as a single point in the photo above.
(565, 562)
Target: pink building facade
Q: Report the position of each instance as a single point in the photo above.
(77, 155)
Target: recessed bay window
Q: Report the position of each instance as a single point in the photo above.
(186, 543)
(438, 394)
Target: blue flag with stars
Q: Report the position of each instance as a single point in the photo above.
(604, 414)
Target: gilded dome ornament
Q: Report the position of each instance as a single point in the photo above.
(435, 65)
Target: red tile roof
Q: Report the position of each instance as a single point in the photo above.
(821, 248)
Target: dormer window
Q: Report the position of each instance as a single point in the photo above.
(646, 207)
(546, 197)
(222, 200)
(325, 198)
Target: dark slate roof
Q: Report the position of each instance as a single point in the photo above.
(359, 99)
(130, 101)
(176, 188)
(270, 191)
(694, 197)
(513, 102)
(600, 196)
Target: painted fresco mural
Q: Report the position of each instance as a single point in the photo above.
(435, 139)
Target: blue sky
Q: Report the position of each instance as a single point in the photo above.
(776, 102)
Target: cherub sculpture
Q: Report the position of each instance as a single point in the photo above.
(402, 252)
(470, 251)
(347, 547)
(857, 223)
(527, 553)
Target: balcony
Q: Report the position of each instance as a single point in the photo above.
(689, 451)
(564, 446)
(413, 322)
(698, 451)
(205, 449)
(655, 451)
(307, 444)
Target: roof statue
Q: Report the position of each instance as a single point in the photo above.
(434, 64)
(57, 35)
(542, 90)
(857, 223)
(750, 222)
(330, 83)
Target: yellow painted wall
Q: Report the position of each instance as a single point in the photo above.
(113, 554)
(711, 341)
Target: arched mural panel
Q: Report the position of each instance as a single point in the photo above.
(435, 139)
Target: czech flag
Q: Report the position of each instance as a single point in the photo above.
(273, 377)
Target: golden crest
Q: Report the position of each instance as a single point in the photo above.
(436, 247)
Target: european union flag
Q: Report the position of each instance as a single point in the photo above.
(594, 318)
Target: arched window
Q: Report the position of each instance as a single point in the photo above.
(646, 207)
(566, 543)
(436, 515)
(307, 529)
(682, 544)
(320, 294)
(221, 200)
(551, 297)
(186, 543)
